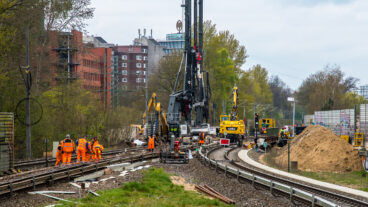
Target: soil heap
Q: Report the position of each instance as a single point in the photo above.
(318, 149)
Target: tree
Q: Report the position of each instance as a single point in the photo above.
(280, 93)
(327, 90)
(254, 90)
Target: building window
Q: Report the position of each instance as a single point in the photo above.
(144, 57)
(144, 50)
(124, 72)
(139, 57)
(144, 72)
(144, 65)
(139, 65)
(138, 80)
(124, 80)
(124, 57)
(124, 65)
(138, 72)
(144, 80)
(125, 88)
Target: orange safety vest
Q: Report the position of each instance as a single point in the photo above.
(82, 144)
(201, 138)
(98, 146)
(67, 145)
(151, 143)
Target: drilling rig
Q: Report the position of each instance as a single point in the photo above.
(192, 100)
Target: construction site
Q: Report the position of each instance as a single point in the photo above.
(86, 137)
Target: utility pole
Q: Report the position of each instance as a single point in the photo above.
(294, 118)
(146, 103)
(28, 95)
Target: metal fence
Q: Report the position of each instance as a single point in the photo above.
(6, 141)
(341, 122)
(362, 123)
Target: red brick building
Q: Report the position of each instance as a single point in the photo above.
(79, 61)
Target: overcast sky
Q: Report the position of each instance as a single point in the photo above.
(291, 38)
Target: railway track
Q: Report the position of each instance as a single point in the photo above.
(54, 174)
(25, 164)
(258, 178)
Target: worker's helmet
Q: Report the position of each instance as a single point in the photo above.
(67, 136)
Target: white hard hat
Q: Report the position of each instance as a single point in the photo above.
(67, 136)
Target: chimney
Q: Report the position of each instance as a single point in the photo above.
(139, 33)
(144, 32)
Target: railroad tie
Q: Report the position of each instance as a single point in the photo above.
(11, 189)
(68, 174)
(34, 183)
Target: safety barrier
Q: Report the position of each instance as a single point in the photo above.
(273, 186)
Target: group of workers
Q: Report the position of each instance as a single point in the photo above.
(86, 150)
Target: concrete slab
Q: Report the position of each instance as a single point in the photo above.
(90, 176)
(119, 167)
(243, 155)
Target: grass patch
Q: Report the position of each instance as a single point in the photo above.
(357, 180)
(155, 189)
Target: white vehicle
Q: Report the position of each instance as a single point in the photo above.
(205, 128)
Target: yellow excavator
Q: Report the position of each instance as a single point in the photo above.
(230, 126)
(157, 123)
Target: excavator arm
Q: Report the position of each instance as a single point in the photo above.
(235, 100)
(151, 104)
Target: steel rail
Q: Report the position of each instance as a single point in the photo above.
(51, 177)
(321, 192)
(10, 187)
(36, 162)
(294, 194)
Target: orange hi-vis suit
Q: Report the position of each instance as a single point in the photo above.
(97, 148)
(68, 146)
(201, 138)
(89, 152)
(59, 155)
(151, 143)
(81, 150)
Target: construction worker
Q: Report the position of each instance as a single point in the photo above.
(201, 138)
(67, 146)
(97, 149)
(282, 132)
(89, 151)
(151, 143)
(59, 155)
(81, 149)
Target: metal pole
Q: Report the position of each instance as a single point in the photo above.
(146, 103)
(288, 156)
(47, 161)
(28, 103)
(68, 36)
(294, 118)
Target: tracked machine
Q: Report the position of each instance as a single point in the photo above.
(192, 100)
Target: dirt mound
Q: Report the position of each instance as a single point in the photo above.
(318, 149)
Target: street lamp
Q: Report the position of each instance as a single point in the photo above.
(291, 99)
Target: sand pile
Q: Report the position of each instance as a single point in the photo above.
(318, 149)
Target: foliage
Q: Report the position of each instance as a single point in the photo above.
(254, 91)
(155, 189)
(327, 90)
